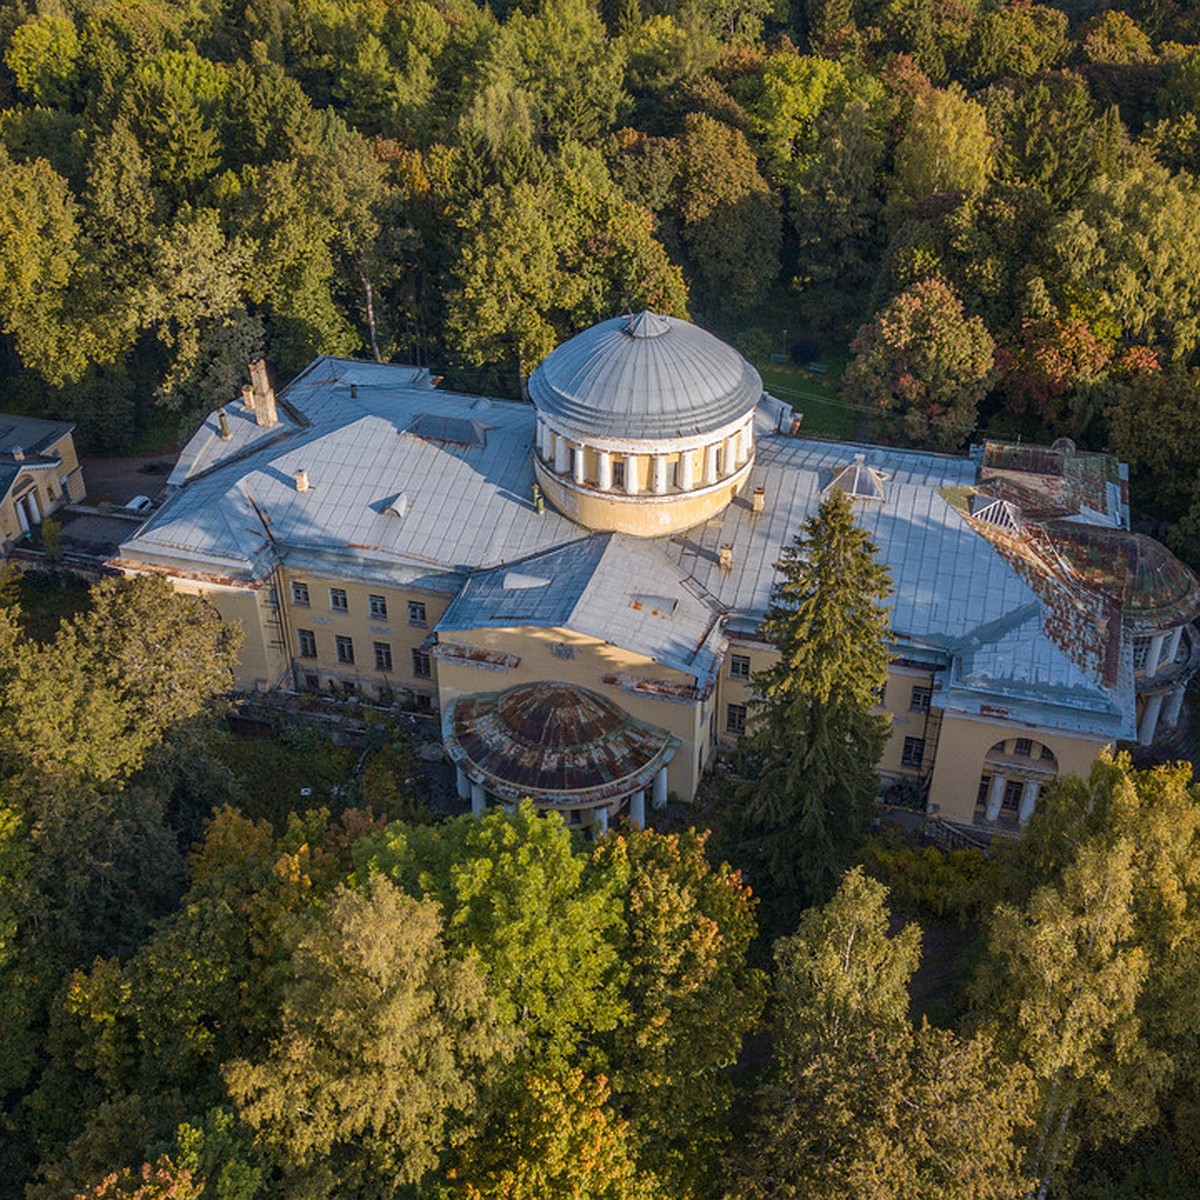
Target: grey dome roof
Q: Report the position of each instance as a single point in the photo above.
(645, 376)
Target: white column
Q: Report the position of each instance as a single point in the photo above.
(660, 788)
(686, 482)
(995, 797)
(658, 483)
(1149, 721)
(1174, 703)
(599, 822)
(637, 809)
(24, 520)
(1173, 645)
(478, 798)
(1153, 654)
(730, 456)
(34, 507)
(545, 441)
(580, 457)
(631, 478)
(604, 470)
(710, 463)
(462, 784)
(748, 439)
(1028, 800)
(743, 445)
(562, 455)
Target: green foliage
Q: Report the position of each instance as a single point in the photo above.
(860, 1103)
(42, 55)
(922, 365)
(931, 883)
(806, 771)
(544, 925)
(382, 1042)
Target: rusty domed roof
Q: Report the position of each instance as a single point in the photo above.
(555, 743)
(1155, 590)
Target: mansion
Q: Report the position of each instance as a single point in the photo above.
(576, 586)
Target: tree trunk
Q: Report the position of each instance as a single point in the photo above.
(369, 292)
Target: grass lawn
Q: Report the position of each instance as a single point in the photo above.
(818, 397)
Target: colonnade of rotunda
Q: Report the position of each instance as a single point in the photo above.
(645, 424)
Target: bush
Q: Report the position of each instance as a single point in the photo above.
(926, 881)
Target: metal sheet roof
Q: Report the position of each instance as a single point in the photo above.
(469, 520)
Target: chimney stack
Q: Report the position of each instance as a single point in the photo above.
(758, 504)
(263, 394)
(725, 557)
(223, 421)
(302, 480)
(18, 452)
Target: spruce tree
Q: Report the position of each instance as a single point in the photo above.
(806, 770)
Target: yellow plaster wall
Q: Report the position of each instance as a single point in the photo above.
(592, 660)
(644, 515)
(962, 745)
(357, 623)
(48, 486)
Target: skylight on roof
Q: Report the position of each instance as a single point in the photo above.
(455, 431)
(999, 513)
(858, 481)
(518, 581)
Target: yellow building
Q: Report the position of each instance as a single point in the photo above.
(576, 586)
(39, 473)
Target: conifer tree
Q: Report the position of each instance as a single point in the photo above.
(807, 769)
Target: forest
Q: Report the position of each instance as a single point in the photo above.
(986, 212)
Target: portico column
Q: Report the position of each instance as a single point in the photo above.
(1153, 654)
(685, 471)
(710, 463)
(478, 798)
(659, 480)
(604, 470)
(1149, 721)
(631, 478)
(660, 788)
(462, 784)
(1174, 703)
(599, 821)
(747, 440)
(1028, 800)
(743, 445)
(731, 449)
(637, 809)
(1173, 645)
(546, 441)
(580, 464)
(562, 455)
(995, 797)
(21, 517)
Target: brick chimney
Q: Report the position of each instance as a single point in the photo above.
(725, 557)
(18, 452)
(301, 480)
(758, 502)
(264, 394)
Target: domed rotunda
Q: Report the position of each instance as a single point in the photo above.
(645, 425)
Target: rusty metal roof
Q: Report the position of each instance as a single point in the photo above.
(555, 743)
(1154, 589)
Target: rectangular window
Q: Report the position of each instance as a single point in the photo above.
(914, 752)
(618, 470)
(416, 612)
(377, 605)
(345, 649)
(1023, 747)
(739, 666)
(735, 718)
(337, 600)
(422, 667)
(308, 643)
(1012, 795)
(383, 656)
(985, 785)
(920, 699)
(299, 594)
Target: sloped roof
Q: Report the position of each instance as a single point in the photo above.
(647, 377)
